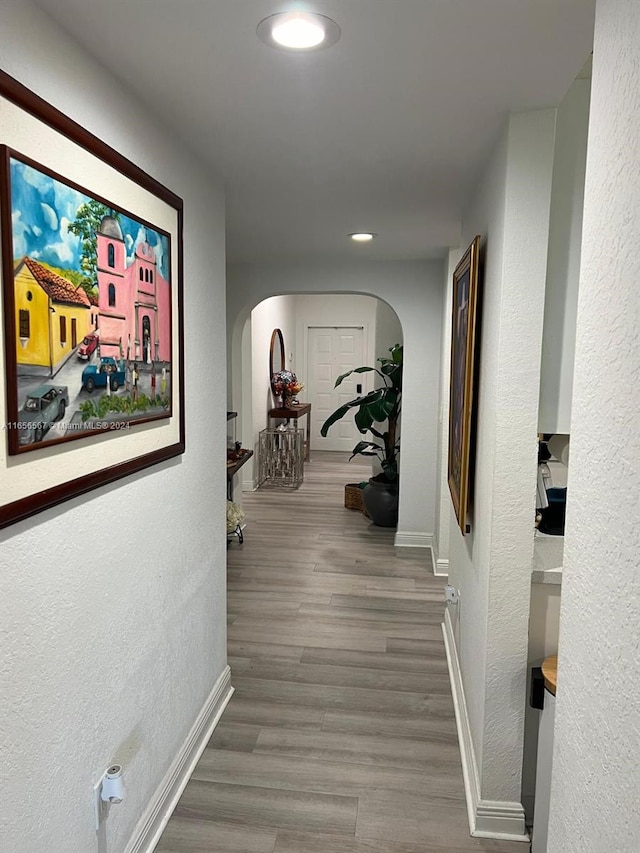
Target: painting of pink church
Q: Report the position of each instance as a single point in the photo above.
(134, 301)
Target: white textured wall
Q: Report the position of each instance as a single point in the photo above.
(112, 605)
(388, 330)
(278, 312)
(492, 565)
(414, 291)
(275, 313)
(563, 265)
(469, 556)
(596, 771)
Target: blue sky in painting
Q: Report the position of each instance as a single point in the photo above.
(42, 210)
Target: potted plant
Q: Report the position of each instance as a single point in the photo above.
(378, 413)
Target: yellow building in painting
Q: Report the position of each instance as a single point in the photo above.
(52, 315)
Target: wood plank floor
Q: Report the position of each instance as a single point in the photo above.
(341, 736)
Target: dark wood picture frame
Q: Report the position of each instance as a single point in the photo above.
(461, 387)
(64, 468)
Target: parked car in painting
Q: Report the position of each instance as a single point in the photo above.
(88, 347)
(96, 376)
(42, 407)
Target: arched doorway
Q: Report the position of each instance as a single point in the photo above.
(415, 292)
(323, 339)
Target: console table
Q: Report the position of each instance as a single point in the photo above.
(293, 413)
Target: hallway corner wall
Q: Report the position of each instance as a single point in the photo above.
(491, 566)
(596, 774)
(113, 604)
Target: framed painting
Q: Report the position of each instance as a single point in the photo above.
(92, 373)
(461, 387)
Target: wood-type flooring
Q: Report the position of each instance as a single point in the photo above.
(340, 737)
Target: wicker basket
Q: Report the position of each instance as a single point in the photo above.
(353, 497)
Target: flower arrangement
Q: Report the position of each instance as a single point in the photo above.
(285, 384)
(294, 388)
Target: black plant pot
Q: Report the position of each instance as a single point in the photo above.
(381, 501)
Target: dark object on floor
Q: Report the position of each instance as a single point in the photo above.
(381, 501)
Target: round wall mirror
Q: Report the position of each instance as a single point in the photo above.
(276, 352)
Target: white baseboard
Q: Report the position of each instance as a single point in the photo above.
(156, 816)
(487, 818)
(248, 486)
(503, 820)
(440, 567)
(406, 539)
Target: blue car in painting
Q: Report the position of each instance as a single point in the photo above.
(97, 376)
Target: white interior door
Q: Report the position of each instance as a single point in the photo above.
(331, 352)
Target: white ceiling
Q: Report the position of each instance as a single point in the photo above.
(384, 131)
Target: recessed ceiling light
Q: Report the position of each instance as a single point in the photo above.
(363, 236)
(298, 31)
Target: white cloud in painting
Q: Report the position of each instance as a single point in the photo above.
(141, 236)
(132, 245)
(67, 200)
(37, 179)
(37, 231)
(50, 216)
(66, 248)
(19, 229)
(159, 250)
(158, 247)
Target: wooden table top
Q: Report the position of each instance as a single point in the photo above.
(233, 466)
(291, 412)
(550, 673)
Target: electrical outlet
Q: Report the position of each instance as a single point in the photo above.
(451, 594)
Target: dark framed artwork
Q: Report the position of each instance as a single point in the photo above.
(461, 388)
(92, 371)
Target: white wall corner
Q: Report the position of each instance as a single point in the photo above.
(409, 539)
(487, 818)
(440, 565)
(156, 816)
